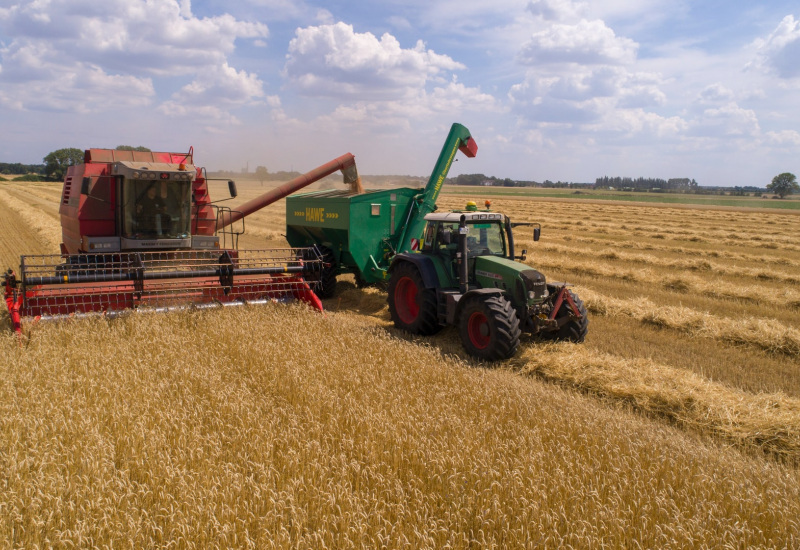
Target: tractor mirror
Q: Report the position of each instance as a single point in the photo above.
(232, 188)
(524, 255)
(537, 231)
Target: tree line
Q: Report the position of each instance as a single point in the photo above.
(18, 169)
(782, 185)
(482, 179)
(674, 184)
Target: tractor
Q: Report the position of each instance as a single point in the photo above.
(466, 275)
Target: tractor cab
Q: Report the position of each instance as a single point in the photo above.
(486, 234)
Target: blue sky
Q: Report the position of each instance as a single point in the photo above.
(550, 89)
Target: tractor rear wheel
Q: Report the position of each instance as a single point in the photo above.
(489, 328)
(412, 306)
(574, 330)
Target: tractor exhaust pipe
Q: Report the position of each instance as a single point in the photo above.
(463, 264)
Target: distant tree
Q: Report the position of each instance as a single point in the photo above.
(784, 184)
(57, 162)
(261, 173)
(131, 148)
(17, 169)
(470, 179)
(31, 177)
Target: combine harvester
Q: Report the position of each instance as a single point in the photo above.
(451, 268)
(139, 229)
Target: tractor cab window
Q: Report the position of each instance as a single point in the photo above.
(486, 239)
(430, 233)
(156, 209)
(447, 237)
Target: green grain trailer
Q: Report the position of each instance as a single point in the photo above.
(359, 233)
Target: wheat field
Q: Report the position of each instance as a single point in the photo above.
(676, 424)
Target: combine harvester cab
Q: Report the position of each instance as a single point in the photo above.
(140, 230)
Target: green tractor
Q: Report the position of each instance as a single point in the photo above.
(466, 274)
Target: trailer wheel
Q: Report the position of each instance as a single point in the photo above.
(573, 330)
(489, 328)
(412, 306)
(326, 285)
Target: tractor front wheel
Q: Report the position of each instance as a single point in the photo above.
(573, 330)
(411, 305)
(489, 328)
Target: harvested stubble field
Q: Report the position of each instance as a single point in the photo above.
(676, 424)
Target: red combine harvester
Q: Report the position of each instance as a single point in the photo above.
(140, 230)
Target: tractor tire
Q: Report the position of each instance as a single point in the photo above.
(489, 328)
(572, 331)
(326, 285)
(412, 307)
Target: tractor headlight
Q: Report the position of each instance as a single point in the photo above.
(531, 295)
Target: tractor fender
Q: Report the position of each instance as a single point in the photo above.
(424, 264)
(454, 310)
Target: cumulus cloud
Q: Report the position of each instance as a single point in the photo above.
(335, 61)
(585, 94)
(729, 120)
(780, 51)
(219, 90)
(715, 93)
(585, 43)
(82, 90)
(556, 10)
(784, 138)
(80, 54)
(635, 122)
(456, 98)
(452, 100)
(152, 37)
(324, 16)
(641, 90)
(581, 76)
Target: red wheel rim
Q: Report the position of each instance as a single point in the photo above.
(405, 300)
(478, 330)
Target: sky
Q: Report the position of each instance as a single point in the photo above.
(549, 89)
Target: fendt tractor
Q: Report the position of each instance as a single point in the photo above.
(451, 268)
(140, 229)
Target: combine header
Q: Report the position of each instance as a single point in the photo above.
(140, 230)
